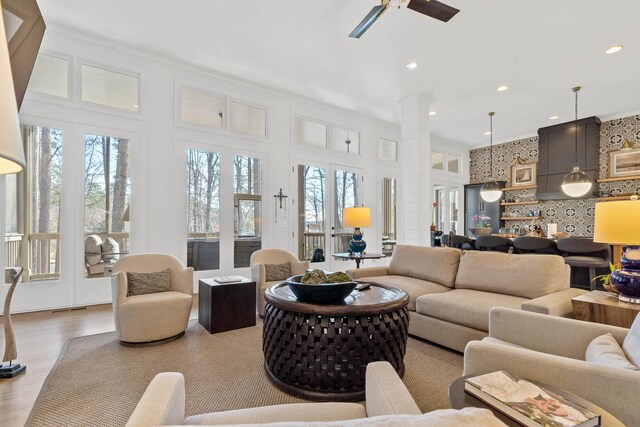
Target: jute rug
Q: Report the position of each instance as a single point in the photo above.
(98, 382)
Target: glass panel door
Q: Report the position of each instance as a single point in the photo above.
(320, 229)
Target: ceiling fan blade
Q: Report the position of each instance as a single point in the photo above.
(433, 8)
(367, 21)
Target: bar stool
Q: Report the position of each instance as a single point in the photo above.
(535, 245)
(457, 241)
(493, 243)
(584, 252)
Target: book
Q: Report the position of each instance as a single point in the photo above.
(527, 403)
(228, 279)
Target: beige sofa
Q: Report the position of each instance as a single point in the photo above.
(552, 350)
(452, 291)
(388, 404)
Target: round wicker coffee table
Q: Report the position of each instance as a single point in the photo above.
(321, 352)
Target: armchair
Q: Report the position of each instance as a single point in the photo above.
(161, 316)
(388, 404)
(272, 256)
(552, 350)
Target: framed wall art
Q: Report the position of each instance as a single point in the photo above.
(523, 175)
(625, 162)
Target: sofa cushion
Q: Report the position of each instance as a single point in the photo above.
(465, 306)
(413, 287)
(523, 276)
(273, 272)
(467, 417)
(605, 350)
(330, 411)
(631, 344)
(148, 283)
(92, 245)
(434, 264)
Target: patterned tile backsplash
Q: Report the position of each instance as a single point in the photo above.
(572, 216)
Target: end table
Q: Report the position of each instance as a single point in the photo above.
(603, 307)
(226, 306)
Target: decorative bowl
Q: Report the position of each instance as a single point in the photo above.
(480, 231)
(326, 293)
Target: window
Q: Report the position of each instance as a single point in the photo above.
(50, 76)
(389, 209)
(247, 172)
(203, 204)
(41, 248)
(387, 150)
(110, 88)
(346, 141)
(308, 132)
(107, 196)
(437, 160)
(453, 163)
(454, 210)
(312, 184)
(200, 108)
(248, 120)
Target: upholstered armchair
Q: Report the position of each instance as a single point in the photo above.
(264, 257)
(552, 350)
(152, 316)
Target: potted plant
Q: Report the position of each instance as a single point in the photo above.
(481, 226)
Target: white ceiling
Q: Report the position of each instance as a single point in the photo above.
(539, 48)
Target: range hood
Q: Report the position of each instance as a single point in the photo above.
(557, 156)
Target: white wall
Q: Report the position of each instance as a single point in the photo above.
(158, 222)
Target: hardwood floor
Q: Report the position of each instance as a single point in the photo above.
(40, 337)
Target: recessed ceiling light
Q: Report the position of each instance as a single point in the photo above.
(432, 113)
(487, 133)
(614, 49)
(412, 65)
(554, 117)
(503, 88)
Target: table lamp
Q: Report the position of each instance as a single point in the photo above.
(356, 217)
(618, 223)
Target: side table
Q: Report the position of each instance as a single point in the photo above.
(357, 257)
(602, 307)
(226, 306)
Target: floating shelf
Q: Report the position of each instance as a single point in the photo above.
(618, 178)
(519, 218)
(612, 198)
(524, 187)
(526, 202)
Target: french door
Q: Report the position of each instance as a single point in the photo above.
(323, 191)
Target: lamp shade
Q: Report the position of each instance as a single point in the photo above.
(356, 217)
(11, 150)
(617, 223)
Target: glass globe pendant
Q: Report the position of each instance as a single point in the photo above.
(576, 183)
(491, 190)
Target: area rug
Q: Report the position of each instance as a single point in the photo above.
(98, 382)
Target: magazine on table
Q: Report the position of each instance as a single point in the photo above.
(228, 279)
(528, 403)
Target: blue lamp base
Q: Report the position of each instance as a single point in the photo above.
(626, 280)
(356, 244)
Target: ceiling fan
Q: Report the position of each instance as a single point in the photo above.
(431, 8)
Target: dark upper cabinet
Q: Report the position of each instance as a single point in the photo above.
(557, 155)
(474, 205)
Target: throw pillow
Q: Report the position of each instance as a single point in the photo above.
(275, 272)
(631, 344)
(92, 245)
(110, 249)
(148, 283)
(605, 350)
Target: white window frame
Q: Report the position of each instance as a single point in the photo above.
(349, 130)
(325, 123)
(253, 105)
(178, 122)
(101, 108)
(390, 139)
(45, 97)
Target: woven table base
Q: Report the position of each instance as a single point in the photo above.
(325, 358)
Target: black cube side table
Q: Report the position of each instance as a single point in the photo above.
(226, 306)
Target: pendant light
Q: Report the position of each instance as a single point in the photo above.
(491, 190)
(576, 183)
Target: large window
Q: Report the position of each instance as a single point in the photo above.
(312, 188)
(32, 238)
(247, 183)
(203, 204)
(50, 76)
(110, 88)
(248, 119)
(309, 132)
(346, 141)
(106, 201)
(201, 108)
